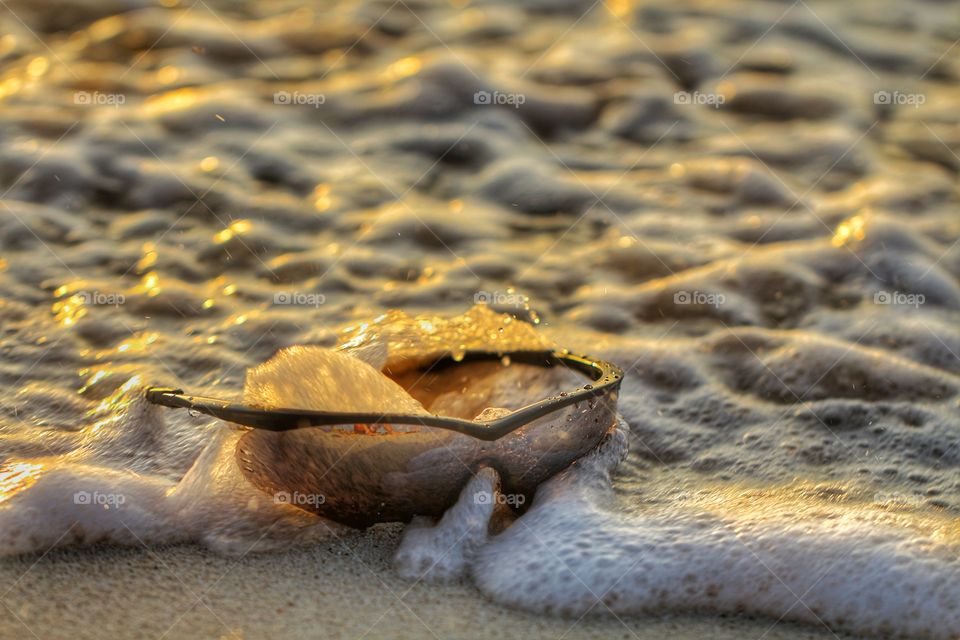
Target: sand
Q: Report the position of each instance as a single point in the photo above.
(345, 589)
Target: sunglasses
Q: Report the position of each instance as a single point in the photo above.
(402, 473)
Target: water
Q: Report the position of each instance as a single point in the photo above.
(771, 255)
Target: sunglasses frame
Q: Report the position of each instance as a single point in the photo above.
(606, 378)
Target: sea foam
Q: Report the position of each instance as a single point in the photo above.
(595, 540)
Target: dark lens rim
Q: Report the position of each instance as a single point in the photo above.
(606, 378)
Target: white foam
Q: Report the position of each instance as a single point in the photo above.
(457, 537)
(788, 553)
(120, 486)
(142, 474)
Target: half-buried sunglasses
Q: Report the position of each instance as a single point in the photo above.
(420, 470)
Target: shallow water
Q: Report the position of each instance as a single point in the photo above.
(772, 256)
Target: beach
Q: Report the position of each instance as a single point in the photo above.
(750, 207)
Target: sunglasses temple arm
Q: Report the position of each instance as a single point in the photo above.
(606, 376)
(288, 420)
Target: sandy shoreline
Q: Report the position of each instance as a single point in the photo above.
(342, 589)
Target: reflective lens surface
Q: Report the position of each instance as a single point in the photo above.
(360, 476)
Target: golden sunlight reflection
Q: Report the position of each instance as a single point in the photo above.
(149, 285)
(118, 398)
(107, 27)
(7, 44)
(17, 476)
(68, 310)
(619, 8)
(807, 501)
(404, 67)
(210, 163)
(9, 87)
(149, 259)
(171, 100)
(236, 228)
(321, 197)
(38, 66)
(94, 380)
(168, 74)
(138, 343)
(849, 230)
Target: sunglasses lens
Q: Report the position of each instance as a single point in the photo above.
(390, 475)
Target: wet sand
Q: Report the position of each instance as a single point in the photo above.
(345, 589)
